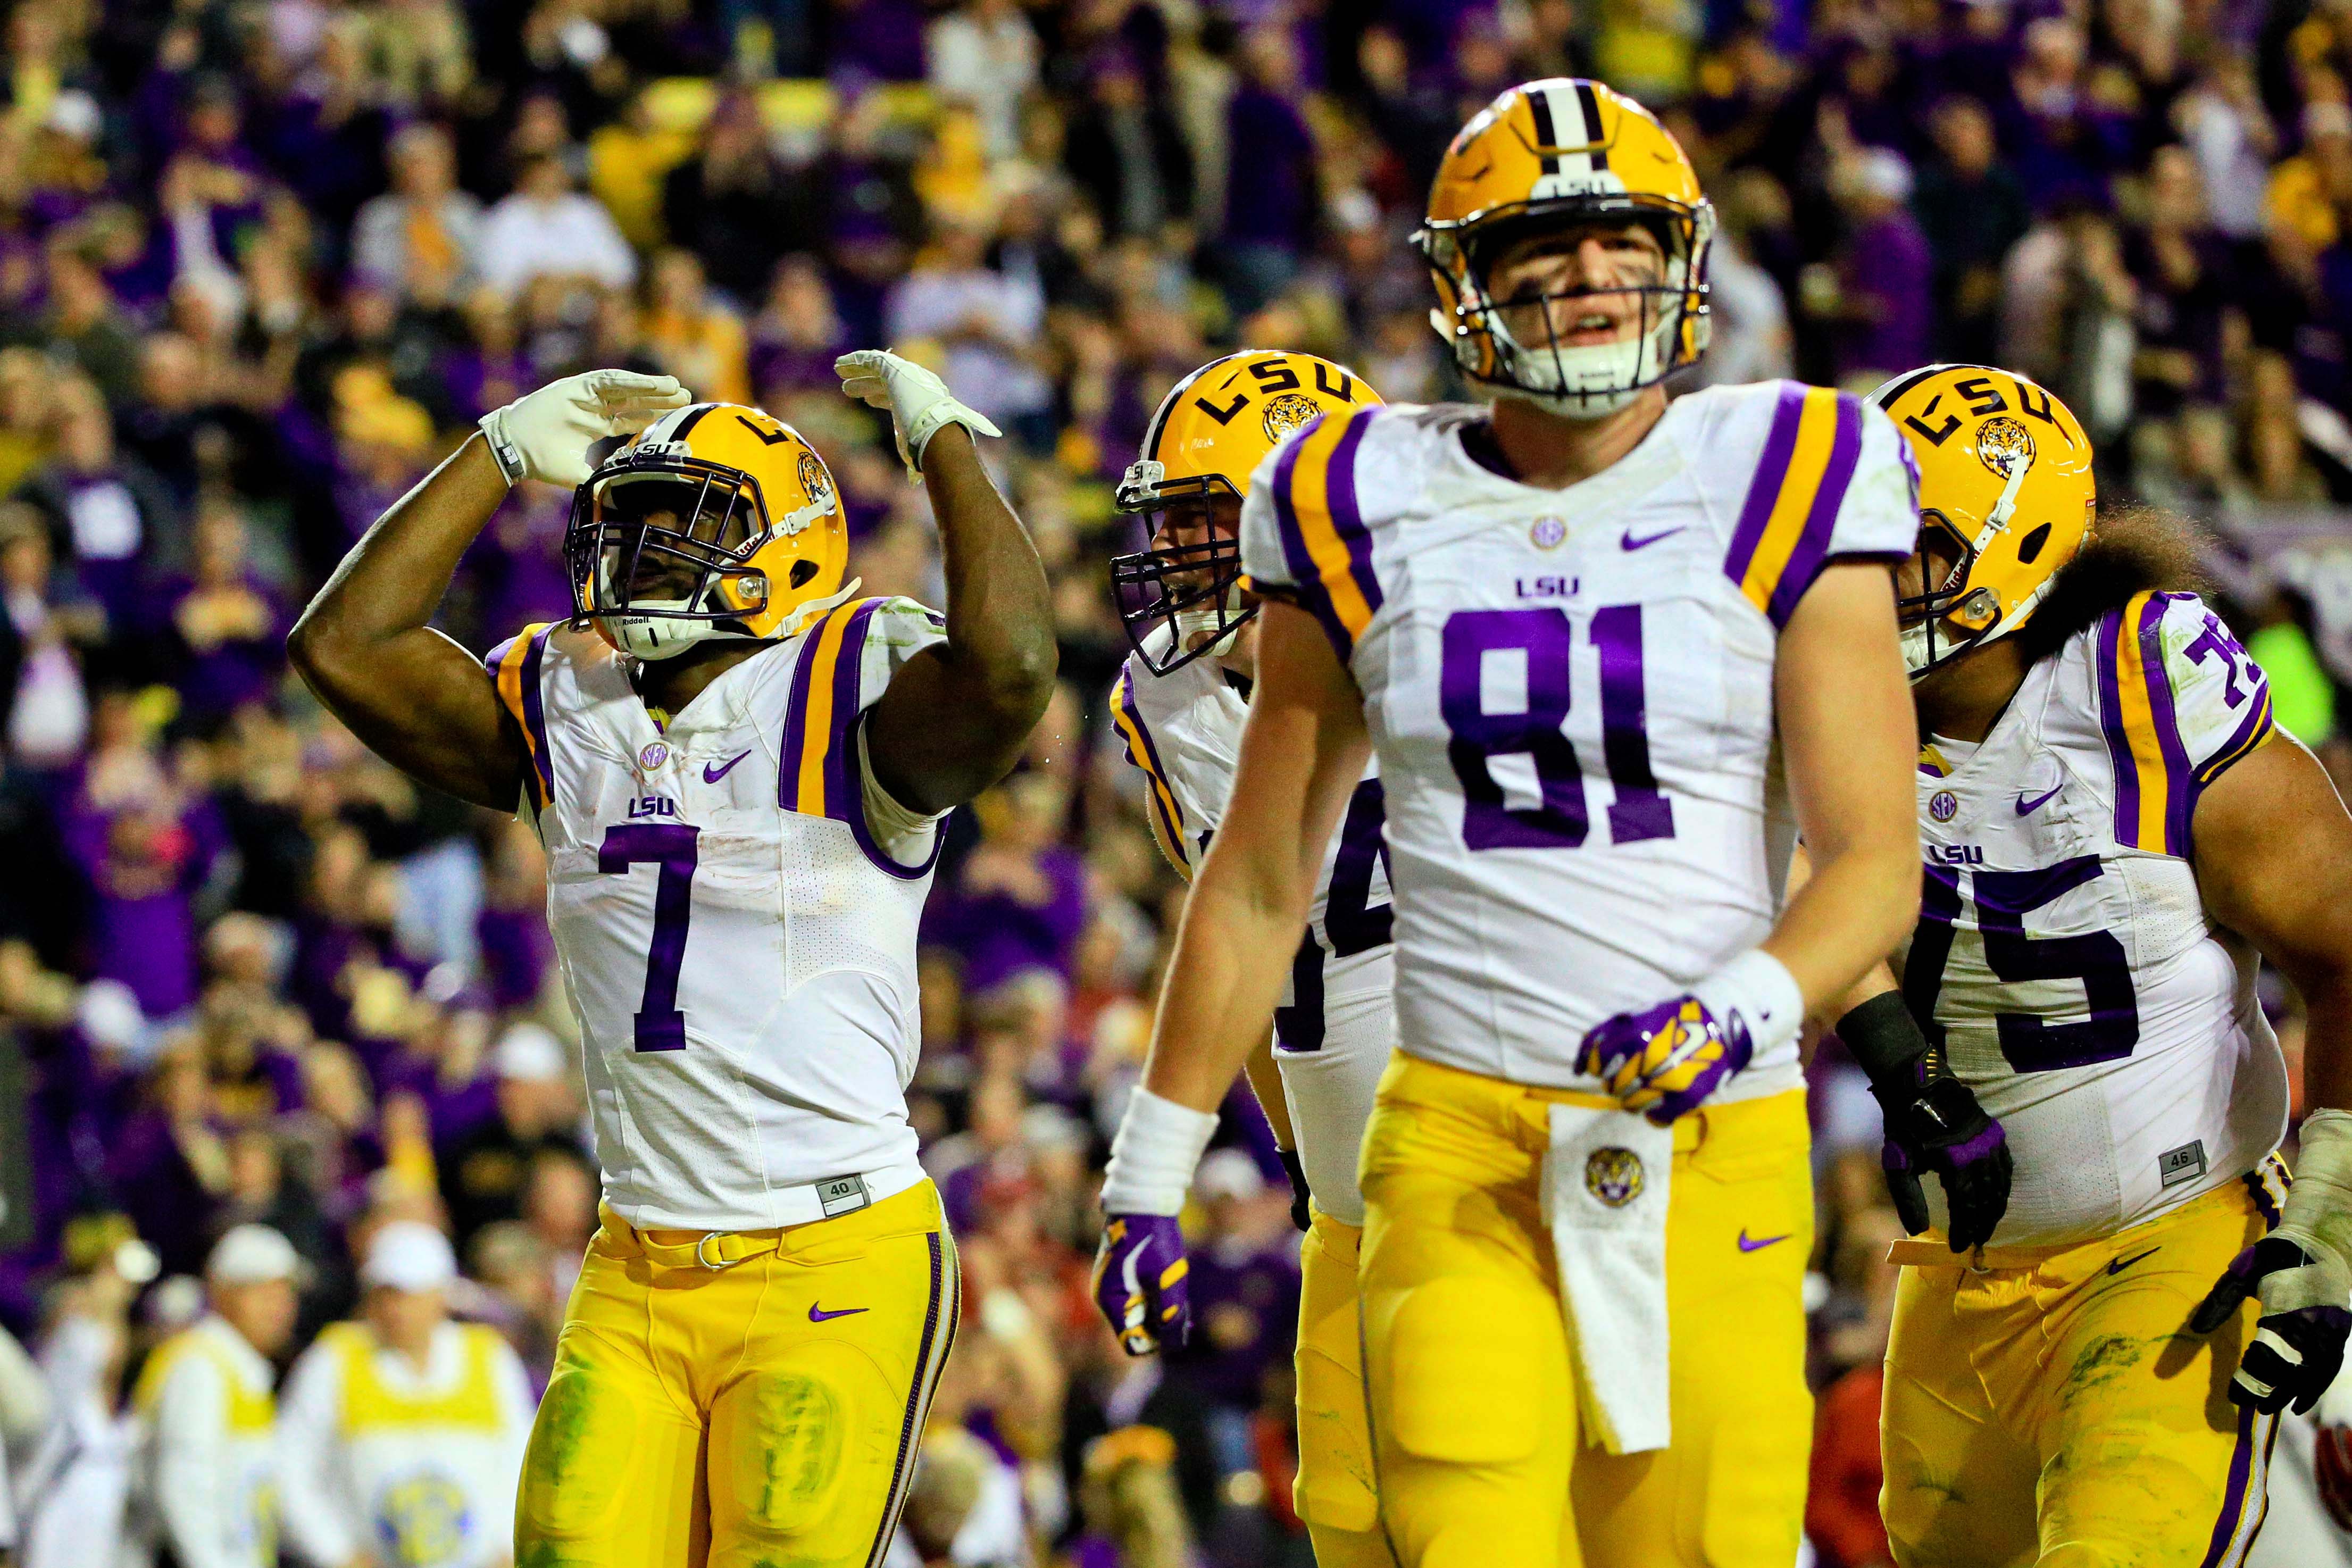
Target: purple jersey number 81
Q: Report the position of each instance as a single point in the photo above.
(1546, 637)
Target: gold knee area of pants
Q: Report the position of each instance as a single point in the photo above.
(1454, 1342)
(583, 1432)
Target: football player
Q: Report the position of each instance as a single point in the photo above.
(1178, 706)
(2114, 831)
(1610, 653)
(737, 768)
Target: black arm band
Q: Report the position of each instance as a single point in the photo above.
(1886, 1040)
(1297, 1172)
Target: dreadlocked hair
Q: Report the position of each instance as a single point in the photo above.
(2131, 549)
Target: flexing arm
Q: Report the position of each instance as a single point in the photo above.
(412, 695)
(1850, 744)
(410, 692)
(954, 720)
(2273, 855)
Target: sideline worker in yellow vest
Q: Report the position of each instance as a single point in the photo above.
(209, 1456)
(404, 1433)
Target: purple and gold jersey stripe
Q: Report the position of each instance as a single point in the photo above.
(1783, 541)
(515, 663)
(1324, 540)
(2153, 785)
(825, 697)
(1166, 816)
(2251, 732)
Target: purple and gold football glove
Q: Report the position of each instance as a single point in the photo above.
(1140, 1281)
(1666, 1060)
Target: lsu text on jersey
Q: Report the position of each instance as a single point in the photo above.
(2044, 1402)
(762, 1316)
(1570, 694)
(1331, 1039)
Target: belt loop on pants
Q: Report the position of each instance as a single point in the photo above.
(717, 1250)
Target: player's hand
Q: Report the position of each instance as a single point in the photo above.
(1302, 1213)
(2331, 1467)
(1139, 1281)
(545, 435)
(1667, 1059)
(1937, 1125)
(2298, 1344)
(919, 402)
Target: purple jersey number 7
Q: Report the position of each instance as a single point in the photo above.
(674, 847)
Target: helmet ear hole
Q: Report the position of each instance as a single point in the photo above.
(802, 571)
(2032, 544)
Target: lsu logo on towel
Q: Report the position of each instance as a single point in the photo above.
(1613, 1175)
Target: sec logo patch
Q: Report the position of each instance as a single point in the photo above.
(1613, 1175)
(1548, 533)
(1943, 805)
(655, 754)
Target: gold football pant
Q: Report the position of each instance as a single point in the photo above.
(760, 1413)
(1333, 1494)
(2052, 1409)
(1481, 1461)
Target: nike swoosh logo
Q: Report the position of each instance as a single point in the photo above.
(2028, 807)
(1748, 1245)
(818, 1314)
(712, 775)
(2120, 1263)
(1629, 542)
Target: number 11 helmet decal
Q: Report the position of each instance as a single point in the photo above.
(1543, 156)
(1211, 432)
(2006, 498)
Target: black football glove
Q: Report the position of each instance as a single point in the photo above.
(1300, 1214)
(1933, 1123)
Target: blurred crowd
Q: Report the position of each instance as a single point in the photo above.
(263, 262)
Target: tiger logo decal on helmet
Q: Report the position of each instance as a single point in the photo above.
(718, 520)
(1211, 431)
(1543, 156)
(2006, 498)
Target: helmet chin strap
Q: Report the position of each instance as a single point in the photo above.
(1919, 654)
(1192, 623)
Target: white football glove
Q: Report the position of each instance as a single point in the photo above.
(918, 402)
(546, 435)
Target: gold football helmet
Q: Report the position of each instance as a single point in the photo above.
(1211, 432)
(718, 521)
(1544, 155)
(2006, 498)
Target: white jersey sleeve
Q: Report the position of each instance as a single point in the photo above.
(1183, 732)
(2179, 702)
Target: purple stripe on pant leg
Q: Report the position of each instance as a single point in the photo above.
(2168, 725)
(534, 721)
(918, 1396)
(2233, 1501)
(1765, 488)
(1812, 547)
(1346, 517)
(1306, 579)
(2111, 725)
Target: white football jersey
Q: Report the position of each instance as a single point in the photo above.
(739, 949)
(2063, 956)
(1570, 694)
(1333, 1030)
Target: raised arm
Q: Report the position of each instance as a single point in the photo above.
(410, 692)
(2273, 855)
(956, 717)
(1302, 753)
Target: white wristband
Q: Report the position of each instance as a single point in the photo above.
(2318, 1212)
(1758, 989)
(503, 451)
(1151, 1160)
